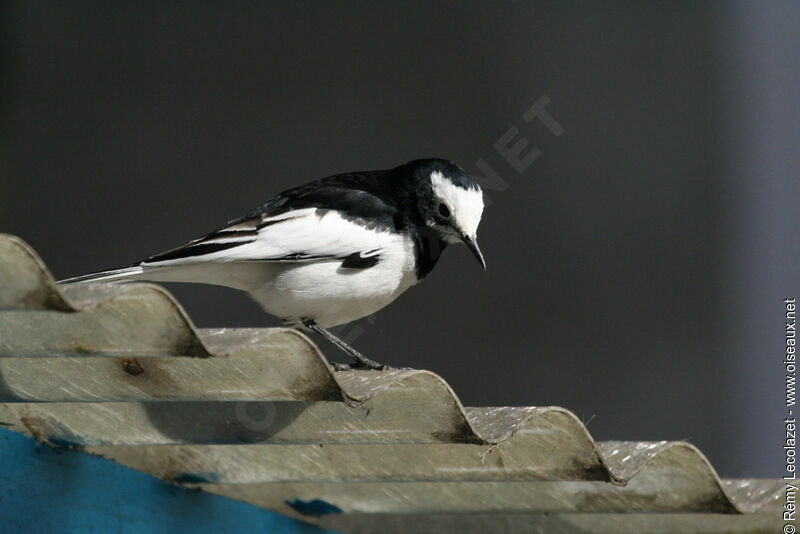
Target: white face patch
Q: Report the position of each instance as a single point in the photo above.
(465, 205)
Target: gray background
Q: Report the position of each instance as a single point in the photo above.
(636, 268)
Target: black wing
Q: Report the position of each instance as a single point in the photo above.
(366, 199)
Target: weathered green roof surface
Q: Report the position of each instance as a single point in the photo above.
(258, 415)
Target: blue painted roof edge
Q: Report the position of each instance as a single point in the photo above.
(46, 489)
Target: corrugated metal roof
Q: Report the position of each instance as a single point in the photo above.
(258, 415)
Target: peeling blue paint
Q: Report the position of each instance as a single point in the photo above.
(197, 478)
(315, 507)
(65, 443)
(56, 434)
(45, 490)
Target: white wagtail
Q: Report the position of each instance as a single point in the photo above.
(333, 250)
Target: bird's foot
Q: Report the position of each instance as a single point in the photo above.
(360, 362)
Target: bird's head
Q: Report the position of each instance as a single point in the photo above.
(450, 203)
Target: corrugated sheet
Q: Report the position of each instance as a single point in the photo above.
(259, 416)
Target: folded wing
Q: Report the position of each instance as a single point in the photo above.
(303, 235)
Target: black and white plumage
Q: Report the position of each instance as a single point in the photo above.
(333, 250)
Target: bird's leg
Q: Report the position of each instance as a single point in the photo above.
(361, 360)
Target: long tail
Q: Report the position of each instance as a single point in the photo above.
(133, 272)
(242, 275)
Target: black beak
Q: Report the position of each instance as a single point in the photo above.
(472, 244)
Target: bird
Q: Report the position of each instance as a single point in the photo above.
(333, 250)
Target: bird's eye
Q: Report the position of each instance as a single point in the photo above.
(444, 211)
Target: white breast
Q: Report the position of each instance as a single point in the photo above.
(332, 295)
